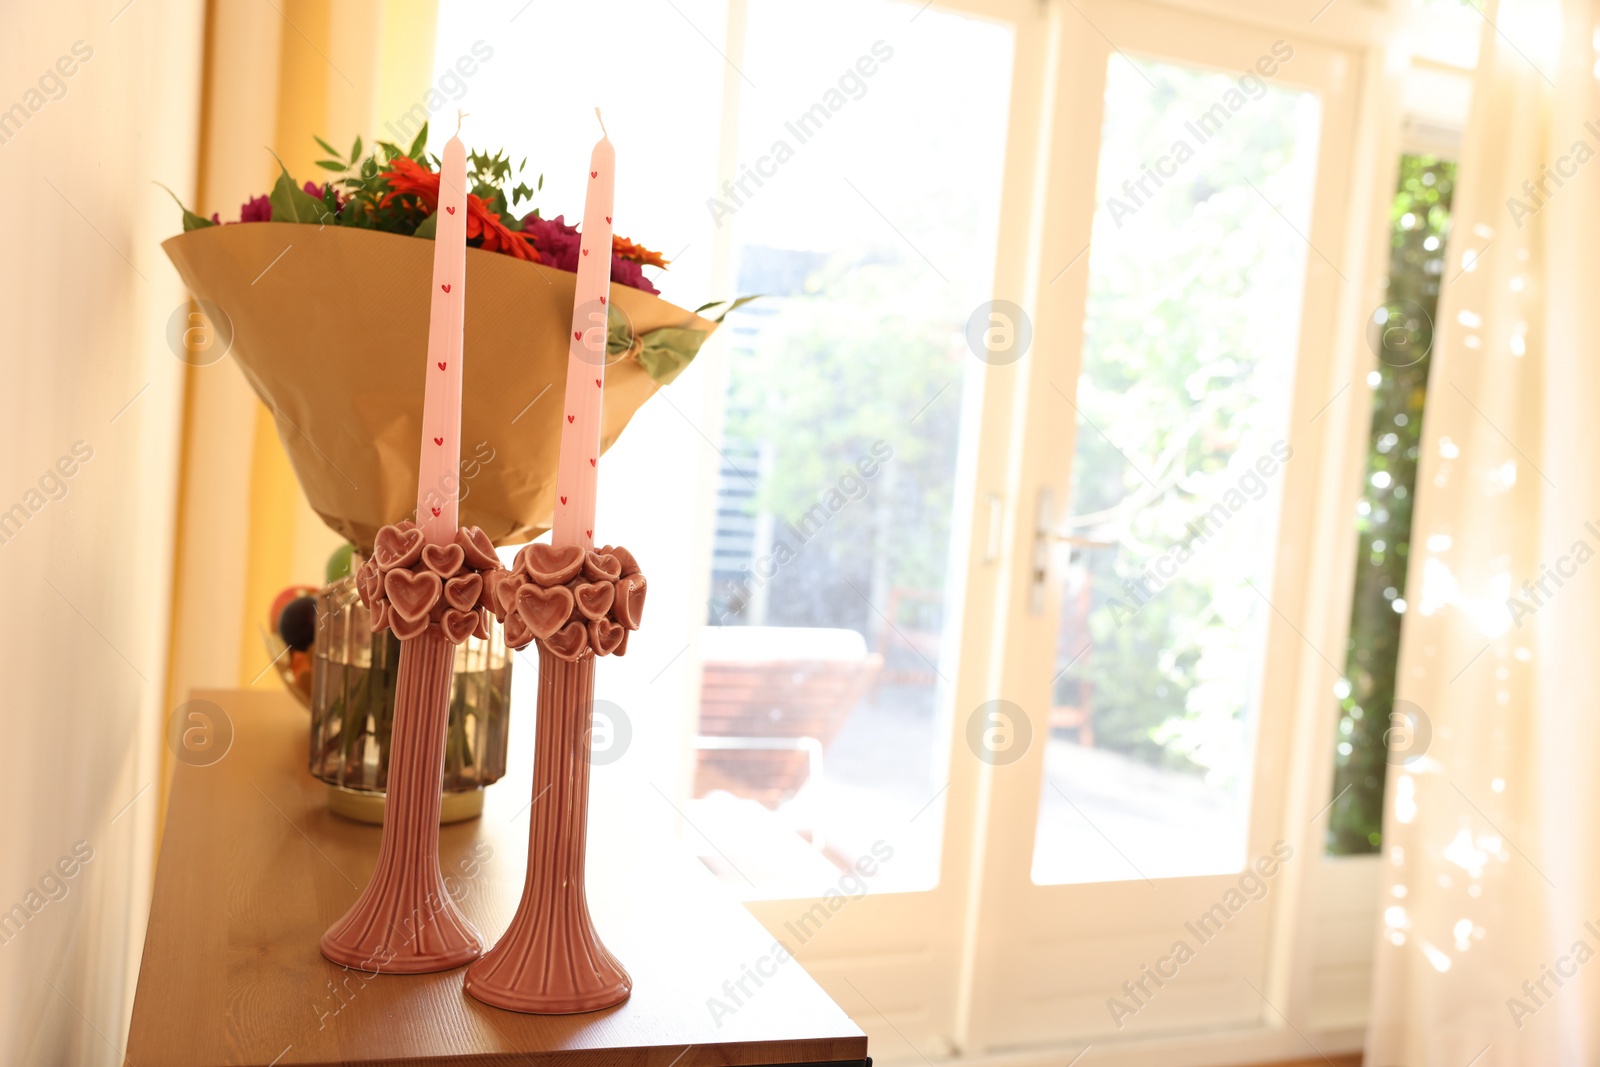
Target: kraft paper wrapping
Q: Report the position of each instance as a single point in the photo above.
(330, 326)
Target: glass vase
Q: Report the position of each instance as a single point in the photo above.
(355, 673)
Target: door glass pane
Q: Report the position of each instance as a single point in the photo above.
(831, 645)
(1195, 274)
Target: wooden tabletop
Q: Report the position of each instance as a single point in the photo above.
(253, 869)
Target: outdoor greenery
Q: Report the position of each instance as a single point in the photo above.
(1401, 333)
(1193, 317)
(858, 329)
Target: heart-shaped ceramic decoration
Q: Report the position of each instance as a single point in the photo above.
(551, 564)
(405, 629)
(624, 557)
(544, 610)
(602, 567)
(378, 615)
(462, 591)
(369, 582)
(479, 549)
(569, 642)
(458, 625)
(395, 547)
(517, 633)
(594, 598)
(443, 560)
(630, 600)
(606, 636)
(412, 594)
(480, 629)
(505, 591)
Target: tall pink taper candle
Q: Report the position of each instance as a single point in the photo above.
(551, 959)
(438, 480)
(578, 470)
(405, 921)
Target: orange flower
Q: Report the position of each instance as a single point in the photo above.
(408, 177)
(623, 248)
(497, 236)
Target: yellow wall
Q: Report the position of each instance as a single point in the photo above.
(273, 80)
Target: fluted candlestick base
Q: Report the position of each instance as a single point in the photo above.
(405, 921)
(551, 961)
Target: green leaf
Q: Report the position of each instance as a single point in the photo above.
(428, 227)
(419, 143)
(291, 203)
(730, 309)
(191, 221)
(664, 353)
(355, 149)
(737, 304)
(332, 151)
(328, 164)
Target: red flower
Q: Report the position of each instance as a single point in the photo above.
(407, 177)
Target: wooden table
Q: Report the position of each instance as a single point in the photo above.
(253, 869)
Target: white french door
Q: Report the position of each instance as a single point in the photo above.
(975, 662)
(1135, 858)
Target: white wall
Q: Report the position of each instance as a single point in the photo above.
(85, 295)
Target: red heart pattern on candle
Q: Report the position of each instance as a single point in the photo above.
(577, 335)
(585, 251)
(563, 500)
(458, 625)
(602, 301)
(630, 600)
(438, 440)
(412, 594)
(594, 174)
(597, 383)
(594, 598)
(569, 642)
(450, 209)
(443, 560)
(591, 463)
(545, 610)
(394, 547)
(551, 564)
(589, 534)
(462, 591)
(445, 286)
(608, 218)
(435, 512)
(441, 366)
(569, 419)
(606, 636)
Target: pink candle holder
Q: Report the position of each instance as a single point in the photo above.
(577, 605)
(433, 597)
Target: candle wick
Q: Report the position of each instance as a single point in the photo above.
(597, 115)
(459, 116)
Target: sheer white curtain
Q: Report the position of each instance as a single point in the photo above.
(1492, 837)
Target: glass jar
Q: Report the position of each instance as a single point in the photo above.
(354, 672)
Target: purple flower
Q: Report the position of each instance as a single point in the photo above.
(256, 209)
(627, 272)
(558, 246)
(555, 241)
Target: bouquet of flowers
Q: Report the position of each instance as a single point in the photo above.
(319, 290)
